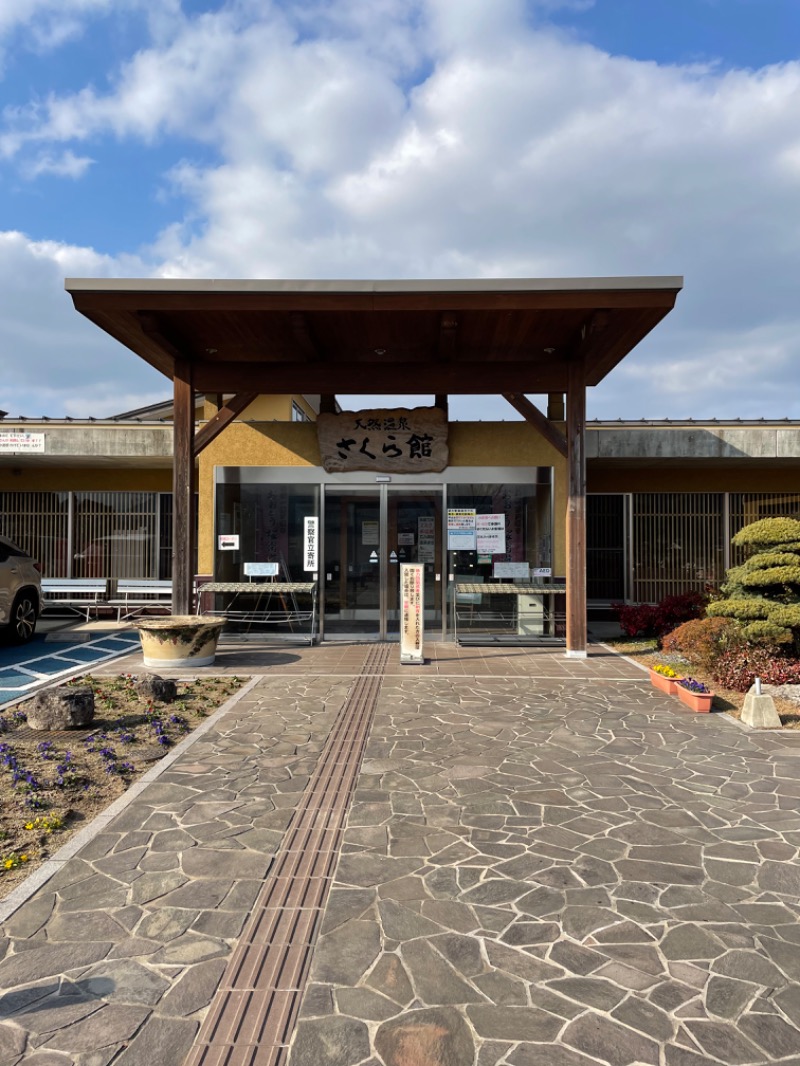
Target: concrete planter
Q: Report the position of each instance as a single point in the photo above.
(179, 640)
(695, 701)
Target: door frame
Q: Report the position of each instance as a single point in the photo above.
(383, 489)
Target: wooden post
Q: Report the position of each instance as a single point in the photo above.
(182, 486)
(576, 511)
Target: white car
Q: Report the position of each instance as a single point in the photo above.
(20, 593)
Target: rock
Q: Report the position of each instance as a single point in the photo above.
(64, 707)
(434, 1037)
(159, 689)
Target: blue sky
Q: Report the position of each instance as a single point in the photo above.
(407, 138)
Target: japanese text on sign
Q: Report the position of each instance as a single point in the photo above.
(412, 598)
(310, 543)
(402, 441)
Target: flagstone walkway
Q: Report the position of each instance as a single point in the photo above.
(502, 857)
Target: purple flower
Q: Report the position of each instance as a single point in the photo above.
(692, 685)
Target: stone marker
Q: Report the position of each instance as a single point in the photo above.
(153, 687)
(759, 710)
(62, 708)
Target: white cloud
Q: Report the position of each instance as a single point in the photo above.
(54, 360)
(65, 165)
(431, 138)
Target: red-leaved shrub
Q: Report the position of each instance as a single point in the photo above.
(738, 667)
(703, 640)
(648, 620)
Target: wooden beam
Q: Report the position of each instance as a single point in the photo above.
(152, 328)
(450, 302)
(182, 488)
(576, 510)
(224, 416)
(531, 413)
(555, 406)
(447, 345)
(327, 404)
(306, 346)
(455, 379)
(442, 402)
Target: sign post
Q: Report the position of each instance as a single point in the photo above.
(412, 586)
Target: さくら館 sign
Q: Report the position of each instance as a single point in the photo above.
(401, 441)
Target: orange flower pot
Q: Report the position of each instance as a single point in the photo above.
(664, 684)
(695, 701)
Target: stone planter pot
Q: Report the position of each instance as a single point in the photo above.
(695, 701)
(664, 684)
(179, 640)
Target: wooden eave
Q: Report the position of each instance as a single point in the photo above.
(478, 337)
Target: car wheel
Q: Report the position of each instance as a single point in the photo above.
(22, 626)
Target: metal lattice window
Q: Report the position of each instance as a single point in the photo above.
(679, 543)
(92, 534)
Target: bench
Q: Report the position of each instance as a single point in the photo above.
(134, 595)
(75, 593)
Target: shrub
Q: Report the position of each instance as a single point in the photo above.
(738, 667)
(649, 620)
(702, 640)
(764, 592)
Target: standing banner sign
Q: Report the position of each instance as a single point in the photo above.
(412, 584)
(311, 543)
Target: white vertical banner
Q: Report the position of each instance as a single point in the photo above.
(412, 586)
(311, 543)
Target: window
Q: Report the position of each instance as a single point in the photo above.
(298, 414)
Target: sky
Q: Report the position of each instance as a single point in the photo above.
(407, 139)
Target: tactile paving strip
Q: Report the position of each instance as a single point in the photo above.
(253, 1014)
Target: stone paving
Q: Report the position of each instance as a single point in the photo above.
(560, 875)
(546, 863)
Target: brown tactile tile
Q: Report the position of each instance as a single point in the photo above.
(259, 996)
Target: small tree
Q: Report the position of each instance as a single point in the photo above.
(763, 594)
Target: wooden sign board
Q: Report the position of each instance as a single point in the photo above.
(401, 441)
(412, 598)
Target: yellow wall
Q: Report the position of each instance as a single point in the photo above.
(267, 408)
(295, 444)
(85, 479)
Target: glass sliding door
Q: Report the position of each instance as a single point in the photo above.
(414, 535)
(368, 532)
(352, 562)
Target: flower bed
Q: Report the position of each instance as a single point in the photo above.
(53, 783)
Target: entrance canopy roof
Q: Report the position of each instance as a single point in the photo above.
(366, 337)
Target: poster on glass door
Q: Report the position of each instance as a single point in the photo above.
(426, 539)
(490, 530)
(461, 529)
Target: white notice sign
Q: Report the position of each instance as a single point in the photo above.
(461, 529)
(228, 542)
(412, 585)
(426, 531)
(370, 532)
(515, 571)
(490, 531)
(21, 442)
(311, 543)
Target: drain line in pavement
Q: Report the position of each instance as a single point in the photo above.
(253, 1014)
